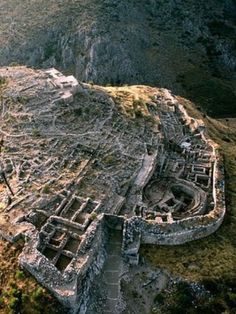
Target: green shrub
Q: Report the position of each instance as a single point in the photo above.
(138, 113)
(159, 298)
(93, 216)
(78, 111)
(3, 80)
(14, 64)
(35, 132)
(109, 160)
(20, 274)
(38, 294)
(22, 99)
(231, 299)
(46, 189)
(15, 300)
(184, 294)
(1, 301)
(49, 50)
(138, 103)
(13, 303)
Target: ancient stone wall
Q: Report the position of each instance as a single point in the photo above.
(179, 231)
(72, 287)
(96, 179)
(96, 257)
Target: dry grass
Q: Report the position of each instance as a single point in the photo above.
(19, 292)
(132, 100)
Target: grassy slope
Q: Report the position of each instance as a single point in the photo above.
(18, 290)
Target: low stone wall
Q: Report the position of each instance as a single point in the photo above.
(181, 231)
(146, 171)
(72, 287)
(195, 192)
(170, 234)
(95, 259)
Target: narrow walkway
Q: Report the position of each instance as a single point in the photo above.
(112, 270)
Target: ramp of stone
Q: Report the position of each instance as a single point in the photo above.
(112, 270)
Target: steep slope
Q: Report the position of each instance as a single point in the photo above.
(186, 46)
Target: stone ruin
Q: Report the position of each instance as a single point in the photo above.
(86, 188)
(68, 85)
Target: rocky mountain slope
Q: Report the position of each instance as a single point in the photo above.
(186, 46)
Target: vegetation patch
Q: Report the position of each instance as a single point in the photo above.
(215, 96)
(19, 292)
(3, 80)
(208, 297)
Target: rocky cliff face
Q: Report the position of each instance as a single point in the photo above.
(187, 46)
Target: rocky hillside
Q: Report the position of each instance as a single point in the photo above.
(48, 135)
(187, 46)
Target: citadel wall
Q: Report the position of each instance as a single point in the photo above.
(174, 194)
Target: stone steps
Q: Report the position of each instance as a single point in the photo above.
(111, 271)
